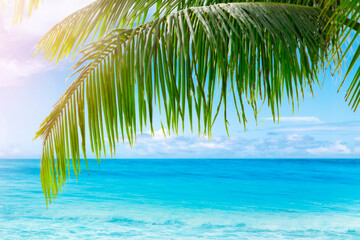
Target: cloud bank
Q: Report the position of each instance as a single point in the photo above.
(295, 119)
(270, 145)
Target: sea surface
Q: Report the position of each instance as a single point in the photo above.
(186, 199)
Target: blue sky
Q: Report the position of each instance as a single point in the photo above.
(323, 126)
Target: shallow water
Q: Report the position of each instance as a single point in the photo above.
(186, 199)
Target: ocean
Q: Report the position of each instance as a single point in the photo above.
(186, 199)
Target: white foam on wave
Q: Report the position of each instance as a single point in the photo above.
(149, 222)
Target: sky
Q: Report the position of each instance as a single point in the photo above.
(323, 126)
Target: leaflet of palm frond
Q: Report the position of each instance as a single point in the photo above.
(257, 51)
(343, 25)
(102, 16)
(22, 6)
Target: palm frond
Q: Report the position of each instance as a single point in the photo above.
(102, 16)
(344, 24)
(21, 6)
(252, 51)
(90, 22)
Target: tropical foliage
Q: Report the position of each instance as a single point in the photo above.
(186, 60)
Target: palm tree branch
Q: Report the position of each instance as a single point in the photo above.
(20, 8)
(102, 16)
(344, 17)
(91, 22)
(257, 51)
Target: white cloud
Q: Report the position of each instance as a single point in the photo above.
(280, 145)
(251, 149)
(172, 144)
(51, 10)
(290, 150)
(337, 148)
(296, 119)
(15, 151)
(357, 150)
(210, 145)
(267, 146)
(158, 135)
(4, 128)
(344, 127)
(294, 137)
(17, 42)
(336, 128)
(14, 71)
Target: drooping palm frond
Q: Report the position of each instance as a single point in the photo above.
(344, 23)
(102, 16)
(252, 51)
(92, 21)
(21, 6)
(99, 18)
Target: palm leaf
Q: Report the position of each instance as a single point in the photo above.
(20, 8)
(92, 21)
(342, 25)
(102, 16)
(254, 51)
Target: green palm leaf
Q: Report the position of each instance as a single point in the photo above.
(253, 51)
(92, 21)
(103, 16)
(344, 24)
(21, 6)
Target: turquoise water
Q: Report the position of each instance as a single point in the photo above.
(186, 199)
